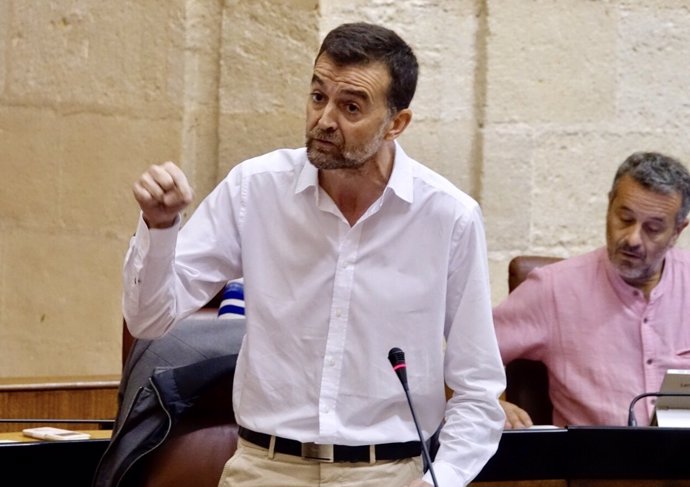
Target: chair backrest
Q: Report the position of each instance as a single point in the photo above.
(205, 437)
(210, 310)
(527, 380)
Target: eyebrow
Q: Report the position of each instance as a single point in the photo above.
(361, 94)
(627, 209)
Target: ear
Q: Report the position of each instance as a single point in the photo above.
(398, 124)
(679, 230)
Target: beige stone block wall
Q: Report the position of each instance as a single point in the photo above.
(4, 31)
(268, 50)
(527, 106)
(90, 95)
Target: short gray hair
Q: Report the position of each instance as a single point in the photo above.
(659, 173)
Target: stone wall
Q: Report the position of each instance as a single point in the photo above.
(528, 106)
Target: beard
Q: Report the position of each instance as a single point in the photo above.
(628, 271)
(327, 149)
(632, 264)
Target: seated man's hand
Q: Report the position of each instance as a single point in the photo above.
(516, 417)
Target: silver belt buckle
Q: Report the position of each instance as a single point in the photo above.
(318, 452)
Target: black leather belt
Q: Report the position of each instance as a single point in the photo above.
(334, 453)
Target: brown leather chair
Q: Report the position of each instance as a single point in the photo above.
(198, 446)
(200, 442)
(527, 380)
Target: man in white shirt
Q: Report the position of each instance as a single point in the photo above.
(348, 248)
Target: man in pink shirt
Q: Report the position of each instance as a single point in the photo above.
(609, 323)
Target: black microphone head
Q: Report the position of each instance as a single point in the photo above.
(396, 356)
(397, 360)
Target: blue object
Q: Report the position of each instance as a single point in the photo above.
(232, 304)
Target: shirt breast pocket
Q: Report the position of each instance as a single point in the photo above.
(681, 359)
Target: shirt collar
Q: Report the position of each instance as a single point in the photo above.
(400, 182)
(308, 176)
(666, 280)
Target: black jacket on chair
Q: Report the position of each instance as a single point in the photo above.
(164, 380)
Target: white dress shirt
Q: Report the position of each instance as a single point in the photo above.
(326, 301)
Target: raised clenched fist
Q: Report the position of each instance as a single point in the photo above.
(162, 192)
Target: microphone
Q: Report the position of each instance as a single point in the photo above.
(397, 359)
(632, 421)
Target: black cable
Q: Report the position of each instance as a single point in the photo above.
(632, 421)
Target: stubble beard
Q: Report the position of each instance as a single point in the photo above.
(631, 270)
(341, 156)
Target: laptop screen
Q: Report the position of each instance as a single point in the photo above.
(673, 410)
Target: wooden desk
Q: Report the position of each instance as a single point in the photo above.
(82, 397)
(590, 457)
(621, 456)
(576, 457)
(42, 463)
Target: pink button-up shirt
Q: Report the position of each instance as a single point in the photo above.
(601, 341)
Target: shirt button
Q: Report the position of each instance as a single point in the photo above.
(645, 320)
(338, 313)
(649, 361)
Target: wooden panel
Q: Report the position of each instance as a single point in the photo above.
(629, 483)
(70, 398)
(522, 483)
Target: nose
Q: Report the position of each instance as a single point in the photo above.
(634, 236)
(326, 120)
